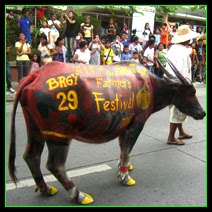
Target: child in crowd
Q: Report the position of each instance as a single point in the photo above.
(35, 62)
(125, 55)
(144, 62)
(135, 57)
(107, 54)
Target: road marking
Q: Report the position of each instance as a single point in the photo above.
(51, 178)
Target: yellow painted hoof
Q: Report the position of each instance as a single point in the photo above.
(130, 168)
(130, 182)
(87, 200)
(53, 190)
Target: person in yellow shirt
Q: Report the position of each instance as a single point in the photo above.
(22, 59)
(87, 28)
(107, 54)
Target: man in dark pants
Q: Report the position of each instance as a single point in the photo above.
(8, 74)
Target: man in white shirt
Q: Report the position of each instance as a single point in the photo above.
(178, 54)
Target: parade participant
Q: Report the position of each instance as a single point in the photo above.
(179, 56)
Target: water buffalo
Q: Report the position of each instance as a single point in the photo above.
(92, 104)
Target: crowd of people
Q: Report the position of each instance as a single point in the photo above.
(114, 44)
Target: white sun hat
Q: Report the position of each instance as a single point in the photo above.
(184, 33)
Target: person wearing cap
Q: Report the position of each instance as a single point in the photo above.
(179, 56)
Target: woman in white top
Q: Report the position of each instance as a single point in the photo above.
(146, 34)
(45, 29)
(83, 54)
(55, 26)
(46, 50)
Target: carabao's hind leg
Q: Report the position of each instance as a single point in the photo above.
(58, 150)
(126, 142)
(32, 154)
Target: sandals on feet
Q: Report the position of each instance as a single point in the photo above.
(177, 142)
(187, 136)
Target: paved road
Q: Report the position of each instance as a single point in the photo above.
(165, 175)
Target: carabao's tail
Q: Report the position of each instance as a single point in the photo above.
(12, 151)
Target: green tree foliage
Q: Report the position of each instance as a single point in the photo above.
(12, 31)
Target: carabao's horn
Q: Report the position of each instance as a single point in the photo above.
(178, 74)
(164, 70)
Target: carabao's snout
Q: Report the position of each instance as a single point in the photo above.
(199, 116)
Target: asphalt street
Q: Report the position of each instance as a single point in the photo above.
(165, 175)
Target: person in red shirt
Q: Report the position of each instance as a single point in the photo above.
(40, 14)
(164, 35)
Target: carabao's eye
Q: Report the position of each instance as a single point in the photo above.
(192, 92)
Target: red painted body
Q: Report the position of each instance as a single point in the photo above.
(89, 103)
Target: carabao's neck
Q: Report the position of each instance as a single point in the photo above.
(162, 94)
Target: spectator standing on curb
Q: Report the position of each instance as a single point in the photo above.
(46, 50)
(107, 54)
(8, 73)
(22, 58)
(83, 54)
(164, 35)
(110, 30)
(147, 31)
(60, 49)
(200, 55)
(78, 39)
(126, 55)
(161, 57)
(41, 13)
(70, 33)
(150, 54)
(118, 29)
(54, 26)
(95, 44)
(87, 28)
(35, 62)
(117, 47)
(45, 29)
(24, 25)
(9, 16)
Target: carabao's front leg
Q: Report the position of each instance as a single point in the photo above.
(126, 143)
(58, 151)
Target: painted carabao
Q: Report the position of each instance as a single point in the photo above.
(92, 104)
